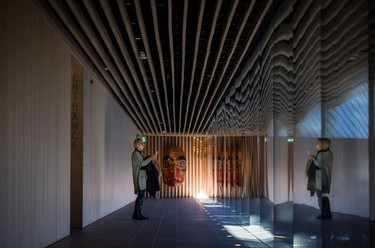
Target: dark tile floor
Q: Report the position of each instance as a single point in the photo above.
(187, 222)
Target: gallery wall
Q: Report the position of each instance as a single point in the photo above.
(35, 129)
(107, 147)
(35, 145)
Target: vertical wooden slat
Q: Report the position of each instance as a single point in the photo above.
(202, 158)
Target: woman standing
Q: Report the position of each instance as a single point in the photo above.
(323, 174)
(140, 176)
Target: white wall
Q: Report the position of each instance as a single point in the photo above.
(35, 98)
(35, 129)
(108, 144)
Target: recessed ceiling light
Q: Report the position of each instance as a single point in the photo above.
(142, 55)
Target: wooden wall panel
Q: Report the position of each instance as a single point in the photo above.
(217, 166)
(35, 128)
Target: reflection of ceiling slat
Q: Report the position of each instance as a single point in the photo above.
(311, 65)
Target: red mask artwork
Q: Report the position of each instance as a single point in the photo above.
(174, 166)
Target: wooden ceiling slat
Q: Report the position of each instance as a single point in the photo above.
(100, 50)
(248, 8)
(136, 52)
(184, 45)
(183, 62)
(171, 50)
(220, 50)
(71, 25)
(161, 62)
(146, 44)
(120, 41)
(197, 36)
(254, 28)
(204, 72)
(105, 36)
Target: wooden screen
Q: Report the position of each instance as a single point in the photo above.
(217, 166)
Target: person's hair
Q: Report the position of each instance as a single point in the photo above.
(137, 142)
(325, 143)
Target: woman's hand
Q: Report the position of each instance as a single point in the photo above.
(309, 156)
(155, 156)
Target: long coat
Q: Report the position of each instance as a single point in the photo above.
(139, 176)
(153, 179)
(310, 173)
(324, 160)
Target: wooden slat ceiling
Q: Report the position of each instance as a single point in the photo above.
(168, 62)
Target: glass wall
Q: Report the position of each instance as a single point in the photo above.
(308, 77)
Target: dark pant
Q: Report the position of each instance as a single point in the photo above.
(324, 205)
(319, 195)
(139, 203)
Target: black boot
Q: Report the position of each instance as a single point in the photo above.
(326, 209)
(136, 213)
(320, 204)
(140, 211)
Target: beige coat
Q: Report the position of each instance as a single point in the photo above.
(324, 160)
(139, 176)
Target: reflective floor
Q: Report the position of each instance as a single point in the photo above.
(187, 222)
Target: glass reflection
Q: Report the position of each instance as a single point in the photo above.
(308, 78)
